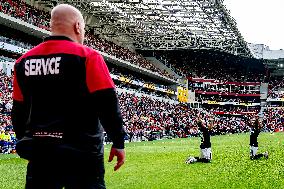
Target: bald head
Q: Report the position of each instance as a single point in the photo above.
(68, 21)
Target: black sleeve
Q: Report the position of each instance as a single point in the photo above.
(19, 118)
(110, 116)
(206, 134)
(257, 130)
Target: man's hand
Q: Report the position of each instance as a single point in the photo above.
(120, 154)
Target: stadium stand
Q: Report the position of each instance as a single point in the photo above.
(274, 119)
(123, 53)
(227, 86)
(125, 79)
(14, 42)
(275, 86)
(147, 117)
(21, 10)
(7, 136)
(204, 64)
(40, 18)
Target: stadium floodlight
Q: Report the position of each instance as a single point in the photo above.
(144, 22)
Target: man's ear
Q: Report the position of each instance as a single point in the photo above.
(77, 28)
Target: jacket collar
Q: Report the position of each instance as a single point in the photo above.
(57, 37)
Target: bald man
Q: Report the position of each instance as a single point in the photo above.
(62, 92)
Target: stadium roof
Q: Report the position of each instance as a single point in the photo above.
(164, 24)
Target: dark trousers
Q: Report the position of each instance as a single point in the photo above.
(257, 156)
(202, 160)
(59, 172)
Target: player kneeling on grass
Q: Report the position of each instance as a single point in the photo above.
(205, 146)
(254, 132)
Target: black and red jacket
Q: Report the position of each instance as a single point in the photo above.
(62, 92)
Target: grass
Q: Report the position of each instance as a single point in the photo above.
(160, 165)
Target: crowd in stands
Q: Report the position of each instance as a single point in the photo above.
(122, 53)
(126, 55)
(274, 118)
(229, 104)
(231, 109)
(7, 135)
(20, 9)
(217, 98)
(147, 118)
(227, 89)
(276, 85)
(226, 124)
(144, 116)
(212, 65)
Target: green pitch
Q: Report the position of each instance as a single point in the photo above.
(160, 164)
